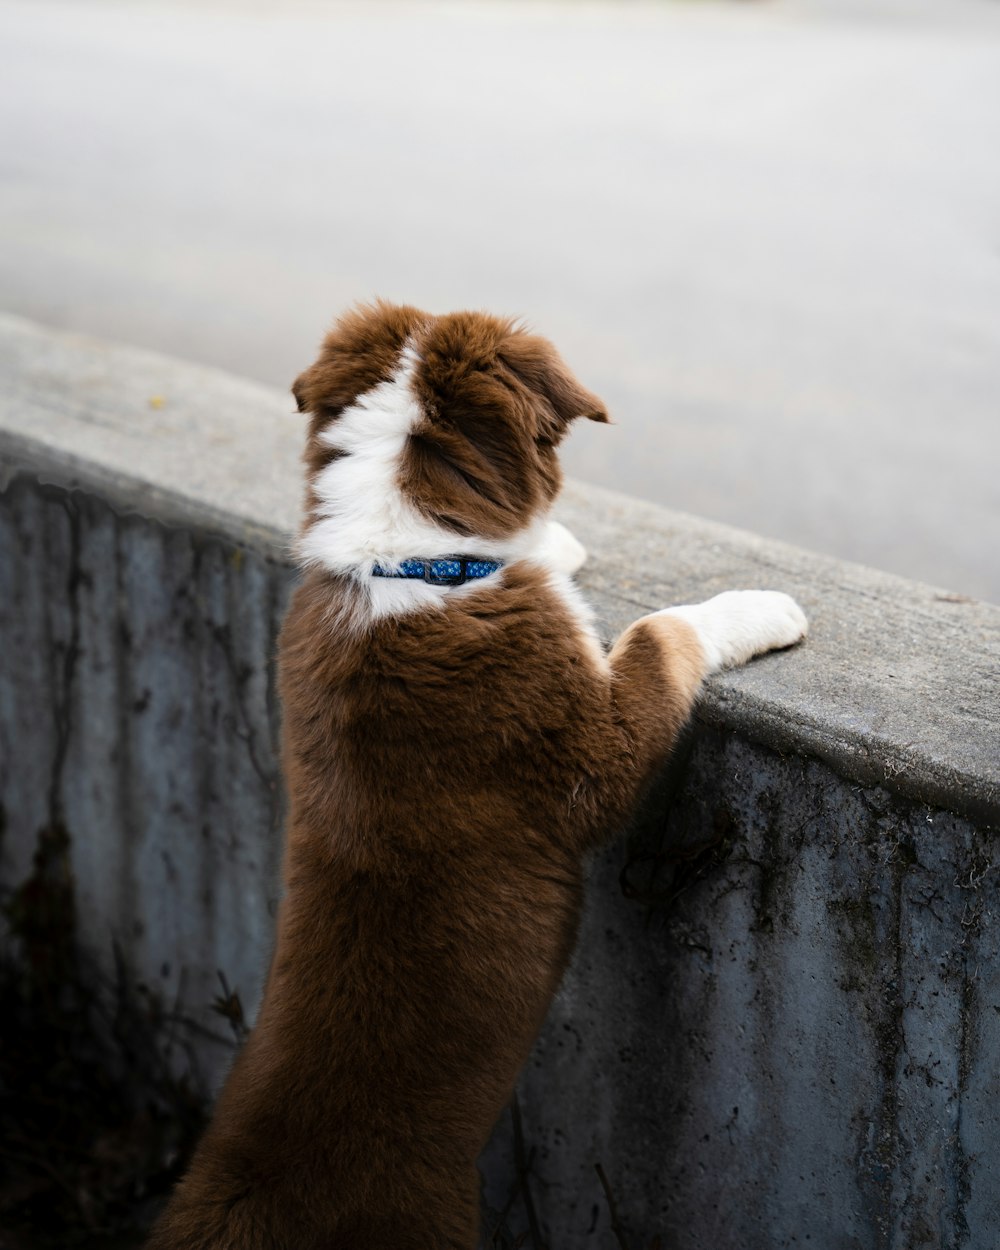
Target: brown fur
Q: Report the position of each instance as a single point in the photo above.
(448, 771)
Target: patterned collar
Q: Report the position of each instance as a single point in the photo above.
(447, 571)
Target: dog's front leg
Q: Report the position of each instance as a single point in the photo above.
(656, 669)
(739, 624)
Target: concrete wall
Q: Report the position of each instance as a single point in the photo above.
(137, 713)
(792, 1038)
(782, 1024)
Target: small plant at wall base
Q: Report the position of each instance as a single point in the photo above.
(93, 1126)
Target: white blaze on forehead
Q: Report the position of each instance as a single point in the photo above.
(363, 518)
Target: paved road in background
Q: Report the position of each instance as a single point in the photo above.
(768, 234)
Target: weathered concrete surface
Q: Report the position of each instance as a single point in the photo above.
(137, 712)
(899, 681)
(790, 1034)
(790, 1038)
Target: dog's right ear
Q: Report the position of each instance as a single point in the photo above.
(560, 397)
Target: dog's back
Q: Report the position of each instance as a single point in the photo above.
(451, 752)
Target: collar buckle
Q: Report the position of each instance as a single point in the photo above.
(444, 571)
(452, 571)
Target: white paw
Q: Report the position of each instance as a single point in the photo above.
(560, 550)
(739, 624)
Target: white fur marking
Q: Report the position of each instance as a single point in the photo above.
(363, 517)
(581, 612)
(560, 550)
(739, 624)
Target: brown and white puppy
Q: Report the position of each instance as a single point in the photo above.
(451, 755)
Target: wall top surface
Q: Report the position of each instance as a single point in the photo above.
(898, 685)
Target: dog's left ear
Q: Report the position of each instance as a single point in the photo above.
(301, 389)
(540, 367)
(312, 390)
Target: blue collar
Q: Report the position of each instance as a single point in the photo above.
(448, 571)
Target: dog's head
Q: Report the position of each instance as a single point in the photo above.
(451, 420)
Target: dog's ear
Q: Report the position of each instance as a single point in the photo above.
(302, 390)
(542, 370)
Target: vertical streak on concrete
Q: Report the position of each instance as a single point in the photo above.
(976, 1168)
(959, 1230)
(27, 700)
(63, 637)
(99, 752)
(137, 709)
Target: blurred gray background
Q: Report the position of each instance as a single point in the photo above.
(767, 233)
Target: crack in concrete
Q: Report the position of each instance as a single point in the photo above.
(222, 636)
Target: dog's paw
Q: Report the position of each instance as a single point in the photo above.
(560, 550)
(739, 624)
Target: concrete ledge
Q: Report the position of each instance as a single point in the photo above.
(782, 1020)
(898, 684)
